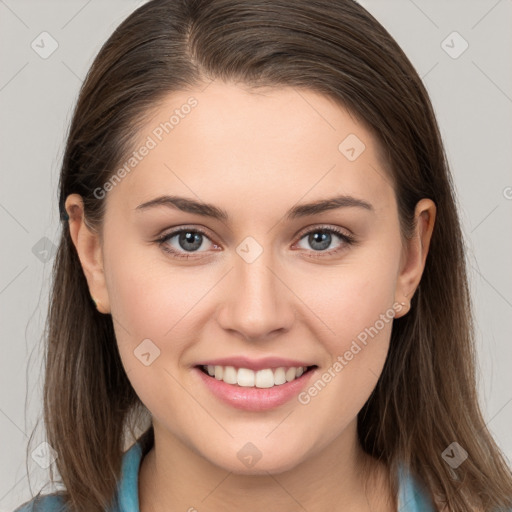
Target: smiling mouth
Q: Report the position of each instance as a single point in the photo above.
(244, 377)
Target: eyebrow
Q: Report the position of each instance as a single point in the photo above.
(209, 210)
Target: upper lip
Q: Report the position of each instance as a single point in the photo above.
(254, 364)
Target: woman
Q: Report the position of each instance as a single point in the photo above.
(313, 347)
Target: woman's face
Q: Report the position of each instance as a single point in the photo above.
(272, 278)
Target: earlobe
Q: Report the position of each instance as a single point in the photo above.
(415, 253)
(88, 247)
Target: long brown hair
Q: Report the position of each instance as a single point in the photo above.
(426, 397)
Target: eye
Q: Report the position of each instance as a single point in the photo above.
(187, 240)
(320, 238)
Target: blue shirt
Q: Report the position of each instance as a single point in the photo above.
(410, 496)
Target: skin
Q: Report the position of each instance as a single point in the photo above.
(254, 154)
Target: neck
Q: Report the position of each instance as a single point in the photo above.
(175, 478)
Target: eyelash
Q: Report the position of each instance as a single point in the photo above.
(347, 240)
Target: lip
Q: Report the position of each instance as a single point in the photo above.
(254, 364)
(255, 399)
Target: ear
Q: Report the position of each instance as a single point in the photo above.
(88, 247)
(414, 254)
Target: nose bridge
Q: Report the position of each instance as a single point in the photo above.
(258, 282)
(258, 302)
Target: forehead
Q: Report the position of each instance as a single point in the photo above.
(226, 143)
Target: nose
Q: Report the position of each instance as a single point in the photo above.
(258, 303)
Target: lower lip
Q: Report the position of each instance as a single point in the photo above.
(255, 399)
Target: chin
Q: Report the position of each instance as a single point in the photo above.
(263, 466)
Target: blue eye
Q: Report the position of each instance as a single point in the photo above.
(324, 240)
(188, 240)
(191, 240)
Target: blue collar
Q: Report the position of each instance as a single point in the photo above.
(128, 487)
(411, 498)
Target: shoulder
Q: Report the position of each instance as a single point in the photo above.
(44, 503)
(127, 486)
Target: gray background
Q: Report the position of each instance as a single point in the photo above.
(472, 96)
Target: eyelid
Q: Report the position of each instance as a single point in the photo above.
(178, 229)
(324, 227)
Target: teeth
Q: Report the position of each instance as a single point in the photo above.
(245, 377)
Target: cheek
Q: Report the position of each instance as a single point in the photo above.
(150, 322)
(357, 313)
(156, 308)
(354, 305)
(147, 295)
(351, 298)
